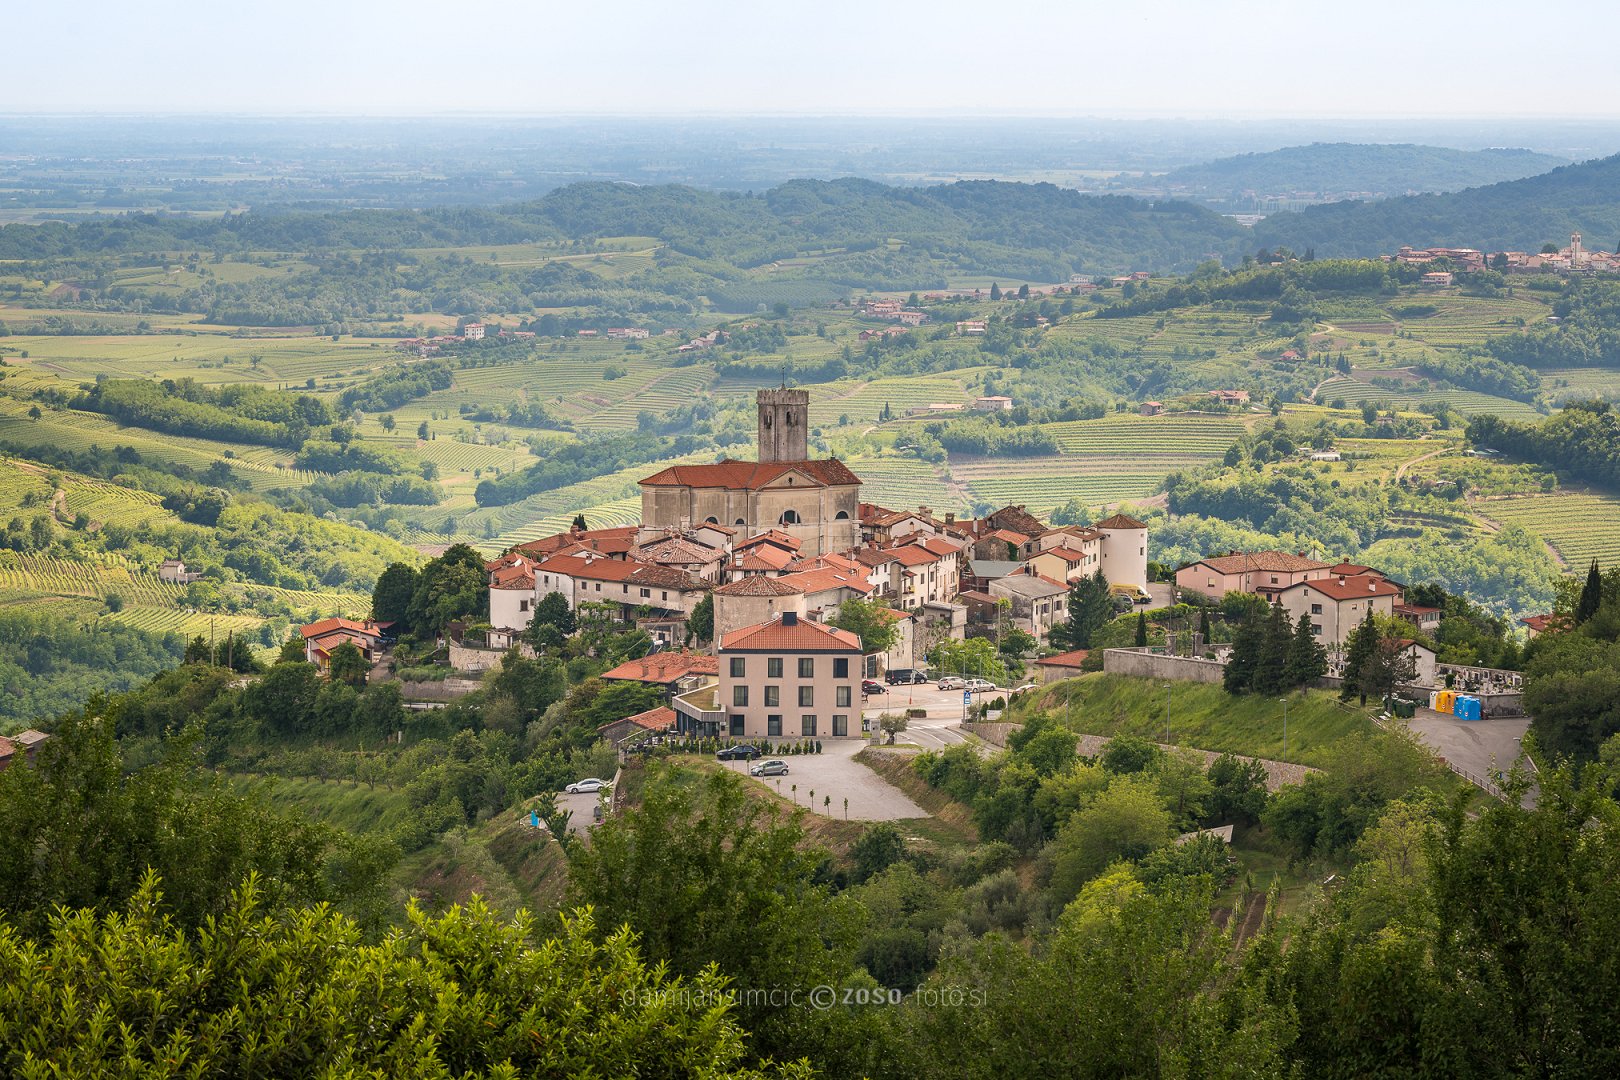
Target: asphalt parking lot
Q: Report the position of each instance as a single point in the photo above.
(1480, 747)
(834, 773)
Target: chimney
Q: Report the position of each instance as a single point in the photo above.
(790, 618)
(950, 519)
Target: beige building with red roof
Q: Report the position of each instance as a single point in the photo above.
(325, 635)
(789, 678)
(1263, 572)
(1337, 605)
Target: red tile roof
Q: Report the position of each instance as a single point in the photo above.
(323, 627)
(765, 557)
(659, 719)
(1281, 562)
(1008, 535)
(913, 555)
(771, 537)
(1071, 659)
(1067, 554)
(826, 578)
(752, 475)
(803, 635)
(666, 667)
(1350, 588)
(1119, 521)
(759, 586)
(625, 570)
(1541, 624)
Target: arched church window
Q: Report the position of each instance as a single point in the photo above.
(789, 517)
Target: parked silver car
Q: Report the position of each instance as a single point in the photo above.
(773, 767)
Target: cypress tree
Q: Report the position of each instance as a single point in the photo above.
(1307, 659)
(1363, 641)
(1246, 644)
(1591, 595)
(1203, 626)
(1273, 658)
(1141, 629)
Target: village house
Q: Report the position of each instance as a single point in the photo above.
(1230, 397)
(672, 672)
(1065, 665)
(589, 577)
(325, 636)
(1152, 408)
(789, 678)
(658, 721)
(473, 332)
(1263, 572)
(992, 403)
(971, 327)
(1337, 605)
(753, 600)
(1038, 602)
(20, 748)
(174, 571)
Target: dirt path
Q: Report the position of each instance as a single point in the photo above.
(1401, 471)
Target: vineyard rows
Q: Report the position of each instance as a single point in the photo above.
(1582, 527)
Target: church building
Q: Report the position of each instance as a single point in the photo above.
(817, 502)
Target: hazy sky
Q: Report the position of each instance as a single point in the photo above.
(1430, 58)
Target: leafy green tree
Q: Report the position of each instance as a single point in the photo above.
(275, 991)
(347, 664)
(82, 832)
(974, 656)
(391, 596)
(553, 610)
(283, 701)
(1271, 665)
(1237, 791)
(700, 623)
(892, 724)
(879, 847)
(1141, 630)
(198, 652)
(1183, 786)
(1125, 821)
(1248, 644)
(704, 875)
(452, 586)
(870, 621)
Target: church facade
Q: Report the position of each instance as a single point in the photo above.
(815, 501)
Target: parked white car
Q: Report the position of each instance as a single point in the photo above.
(951, 682)
(588, 786)
(979, 686)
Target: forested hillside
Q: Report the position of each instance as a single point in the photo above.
(1518, 215)
(1378, 168)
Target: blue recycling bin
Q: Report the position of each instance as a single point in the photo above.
(1468, 707)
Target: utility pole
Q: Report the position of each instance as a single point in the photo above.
(1167, 687)
(1285, 726)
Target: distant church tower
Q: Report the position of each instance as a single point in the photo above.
(1574, 251)
(784, 423)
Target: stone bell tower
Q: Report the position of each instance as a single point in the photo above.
(784, 424)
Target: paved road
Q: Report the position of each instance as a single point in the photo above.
(940, 727)
(835, 773)
(1474, 746)
(580, 809)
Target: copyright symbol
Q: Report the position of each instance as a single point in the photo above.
(822, 997)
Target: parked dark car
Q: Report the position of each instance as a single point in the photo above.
(872, 686)
(740, 752)
(905, 676)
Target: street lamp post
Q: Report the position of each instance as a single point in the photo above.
(1285, 725)
(1167, 713)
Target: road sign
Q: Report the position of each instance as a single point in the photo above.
(967, 697)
